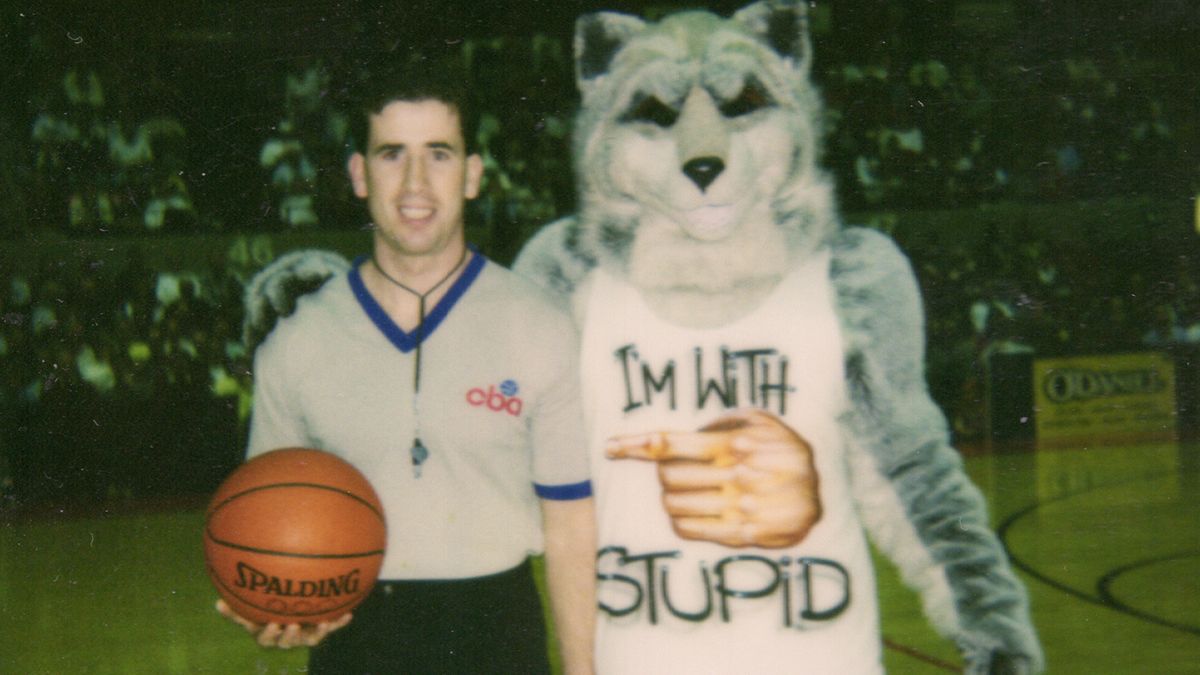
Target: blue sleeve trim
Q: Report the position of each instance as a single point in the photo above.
(563, 493)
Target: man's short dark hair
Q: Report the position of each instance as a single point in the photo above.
(418, 78)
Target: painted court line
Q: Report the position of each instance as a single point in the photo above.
(1106, 596)
(921, 656)
(1103, 599)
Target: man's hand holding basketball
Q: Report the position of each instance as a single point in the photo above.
(745, 480)
(281, 636)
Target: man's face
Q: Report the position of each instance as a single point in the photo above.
(416, 176)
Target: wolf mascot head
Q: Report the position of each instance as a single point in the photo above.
(696, 153)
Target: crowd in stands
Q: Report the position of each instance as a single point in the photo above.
(106, 370)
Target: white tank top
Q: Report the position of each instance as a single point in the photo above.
(671, 605)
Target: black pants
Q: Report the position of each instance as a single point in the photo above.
(483, 625)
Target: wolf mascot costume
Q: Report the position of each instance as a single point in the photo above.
(753, 372)
(767, 362)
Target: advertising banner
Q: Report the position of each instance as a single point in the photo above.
(1115, 398)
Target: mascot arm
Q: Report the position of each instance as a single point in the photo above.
(552, 260)
(917, 502)
(272, 293)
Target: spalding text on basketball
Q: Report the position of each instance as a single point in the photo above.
(258, 581)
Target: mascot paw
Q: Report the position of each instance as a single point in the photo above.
(745, 480)
(995, 662)
(272, 293)
(1009, 664)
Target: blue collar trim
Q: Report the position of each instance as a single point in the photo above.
(408, 341)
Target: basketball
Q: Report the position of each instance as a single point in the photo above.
(294, 536)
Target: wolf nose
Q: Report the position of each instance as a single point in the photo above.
(704, 170)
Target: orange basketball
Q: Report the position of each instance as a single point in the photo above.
(294, 536)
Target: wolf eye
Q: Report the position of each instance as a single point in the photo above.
(752, 97)
(651, 110)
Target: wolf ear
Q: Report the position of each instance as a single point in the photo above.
(598, 37)
(782, 24)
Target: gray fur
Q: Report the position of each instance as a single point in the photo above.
(273, 291)
(915, 499)
(897, 424)
(784, 26)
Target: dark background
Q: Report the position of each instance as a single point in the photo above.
(1036, 159)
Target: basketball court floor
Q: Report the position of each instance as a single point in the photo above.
(1107, 540)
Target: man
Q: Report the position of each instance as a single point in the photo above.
(452, 384)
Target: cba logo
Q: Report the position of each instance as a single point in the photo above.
(502, 398)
